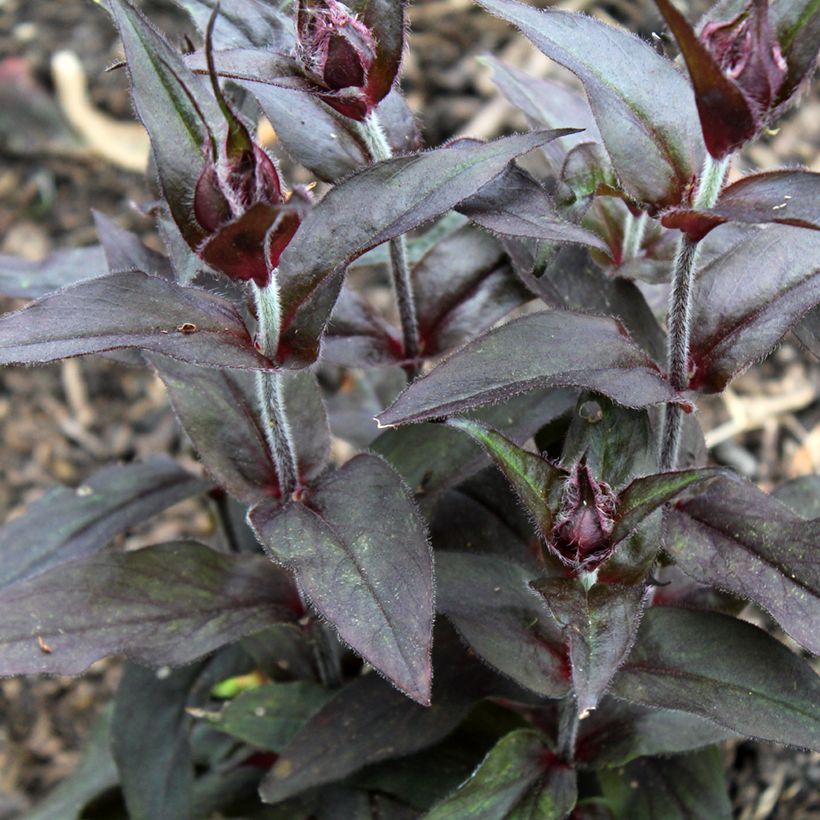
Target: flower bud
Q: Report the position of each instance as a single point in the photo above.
(581, 535)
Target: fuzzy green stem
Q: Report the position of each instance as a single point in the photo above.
(269, 388)
(379, 149)
(680, 312)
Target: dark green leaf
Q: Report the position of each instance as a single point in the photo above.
(737, 538)
(535, 480)
(548, 349)
(645, 494)
(375, 205)
(519, 779)
(23, 279)
(786, 197)
(129, 310)
(489, 602)
(94, 774)
(167, 604)
(371, 577)
(599, 627)
(722, 669)
(678, 788)
(650, 129)
(617, 732)
(68, 523)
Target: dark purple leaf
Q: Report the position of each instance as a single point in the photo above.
(432, 457)
(797, 26)
(130, 310)
(478, 290)
(371, 207)
(515, 204)
(22, 279)
(235, 454)
(675, 588)
(617, 732)
(801, 495)
(535, 480)
(573, 350)
(677, 788)
(599, 627)
(786, 197)
(722, 669)
(371, 577)
(746, 300)
(488, 601)
(520, 777)
(357, 336)
(649, 128)
(726, 116)
(244, 23)
(644, 495)
(168, 604)
(737, 538)
(385, 18)
(808, 331)
(164, 90)
(378, 723)
(125, 251)
(68, 523)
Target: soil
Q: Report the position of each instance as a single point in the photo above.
(60, 422)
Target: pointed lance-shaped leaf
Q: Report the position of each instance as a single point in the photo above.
(785, 197)
(747, 298)
(720, 668)
(534, 479)
(175, 106)
(643, 495)
(162, 605)
(547, 349)
(726, 115)
(371, 577)
(737, 538)
(649, 127)
(599, 627)
(130, 310)
(519, 778)
(373, 206)
(68, 523)
(489, 602)
(23, 279)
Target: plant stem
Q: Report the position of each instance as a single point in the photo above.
(568, 719)
(379, 149)
(326, 655)
(269, 388)
(634, 229)
(680, 312)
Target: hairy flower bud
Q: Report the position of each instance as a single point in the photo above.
(749, 54)
(581, 534)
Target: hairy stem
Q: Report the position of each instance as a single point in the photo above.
(269, 388)
(379, 149)
(680, 312)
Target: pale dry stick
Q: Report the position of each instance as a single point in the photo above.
(76, 394)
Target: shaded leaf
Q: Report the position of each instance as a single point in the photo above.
(576, 350)
(385, 18)
(720, 668)
(129, 310)
(167, 604)
(23, 279)
(520, 778)
(375, 205)
(271, 715)
(801, 495)
(786, 197)
(677, 788)
(489, 602)
(125, 251)
(535, 480)
(599, 627)
(645, 494)
(164, 91)
(378, 723)
(649, 128)
(808, 331)
(245, 23)
(742, 307)
(617, 732)
(372, 578)
(69, 523)
(737, 538)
